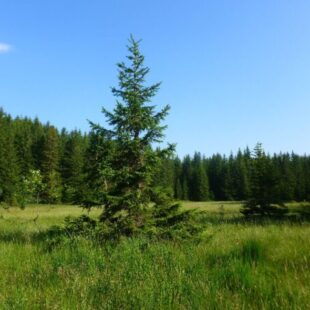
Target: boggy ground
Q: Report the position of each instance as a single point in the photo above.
(261, 264)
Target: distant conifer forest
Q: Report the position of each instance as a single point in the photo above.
(41, 164)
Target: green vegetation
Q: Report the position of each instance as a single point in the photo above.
(263, 199)
(28, 145)
(131, 202)
(124, 250)
(237, 264)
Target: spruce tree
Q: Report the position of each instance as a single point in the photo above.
(128, 159)
(216, 175)
(50, 166)
(264, 184)
(164, 178)
(72, 167)
(186, 177)
(241, 177)
(229, 188)
(94, 176)
(177, 178)
(23, 143)
(8, 162)
(130, 162)
(199, 182)
(38, 139)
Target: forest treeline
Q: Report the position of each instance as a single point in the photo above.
(39, 163)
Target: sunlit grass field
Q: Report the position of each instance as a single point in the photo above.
(236, 265)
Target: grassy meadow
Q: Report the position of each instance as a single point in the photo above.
(236, 265)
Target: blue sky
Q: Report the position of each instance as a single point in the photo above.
(234, 72)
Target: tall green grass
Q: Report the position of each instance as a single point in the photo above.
(236, 265)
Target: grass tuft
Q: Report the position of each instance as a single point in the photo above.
(252, 251)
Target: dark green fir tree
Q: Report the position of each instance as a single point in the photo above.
(50, 167)
(128, 158)
(9, 171)
(199, 183)
(263, 198)
(72, 167)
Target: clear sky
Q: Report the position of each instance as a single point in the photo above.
(234, 72)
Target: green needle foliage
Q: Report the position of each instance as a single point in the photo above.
(128, 160)
(264, 185)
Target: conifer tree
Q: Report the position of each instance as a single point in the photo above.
(23, 143)
(287, 181)
(37, 135)
(178, 194)
(72, 167)
(216, 175)
(129, 161)
(199, 182)
(164, 177)
(186, 177)
(229, 188)
(95, 183)
(8, 163)
(50, 167)
(263, 198)
(300, 184)
(241, 177)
